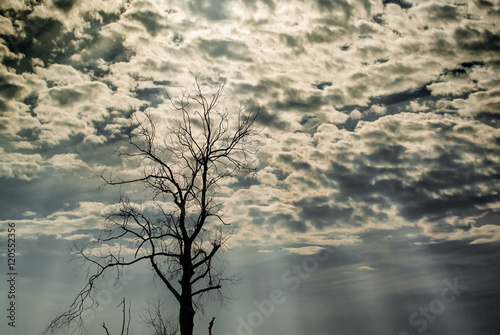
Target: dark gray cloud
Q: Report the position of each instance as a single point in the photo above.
(401, 3)
(342, 5)
(293, 42)
(233, 50)
(401, 97)
(477, 41)
(260, 89)
(293, 100)
(323, 34)
(489, 6)
(47, 38)
(9, 90)
(321, 86)
(154, 96)
(269, 220)
(269, 119)
(65, 5)
(109, 48)
(150, 21)
(379, 18)
(319, 212)
(443, 13)
(148, 16)
(253, 3)
(427, 196)
(3, 105)
(215, 10)
(464, 68)
(288, 159)
(66, 97)
(491, 119)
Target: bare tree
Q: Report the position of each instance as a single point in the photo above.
(125, 323)
(157, 322)
(183, 161)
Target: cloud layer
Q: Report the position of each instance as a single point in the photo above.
(374, 114)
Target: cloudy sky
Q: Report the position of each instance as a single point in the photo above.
(375, 206)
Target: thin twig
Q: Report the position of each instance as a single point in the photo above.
(104, 326)
(211, 324)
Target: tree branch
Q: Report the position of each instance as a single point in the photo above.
(106, 329)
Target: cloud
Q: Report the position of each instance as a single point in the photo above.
(110, 48)
(487, 234)
(440, 12)
(21, 166)
(387, 172)
(365, 268)
(378, 122)
(61, 75)
(269, 119)
(265, 251)
(11, 86)
(356, 115)
(62, 223)
(116, 249)
(304, 251)
(214, 10)
(232, 50)
(477, 40)
(29, 213)
(362, 103)
(149, 20)
(6, 26)
(320, 212)
(13, 4)
(66, 162)
(401, 3)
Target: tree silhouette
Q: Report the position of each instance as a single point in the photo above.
(125, 323)
(183, 161)
(157, 322)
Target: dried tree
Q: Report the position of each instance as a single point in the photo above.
(125, 324)
(157, 322)
(183, 161)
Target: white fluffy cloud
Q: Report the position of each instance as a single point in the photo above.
(362, 103)
(62, 223)
(21, 166)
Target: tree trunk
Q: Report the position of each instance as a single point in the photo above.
(186, 312)
(186, 317)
